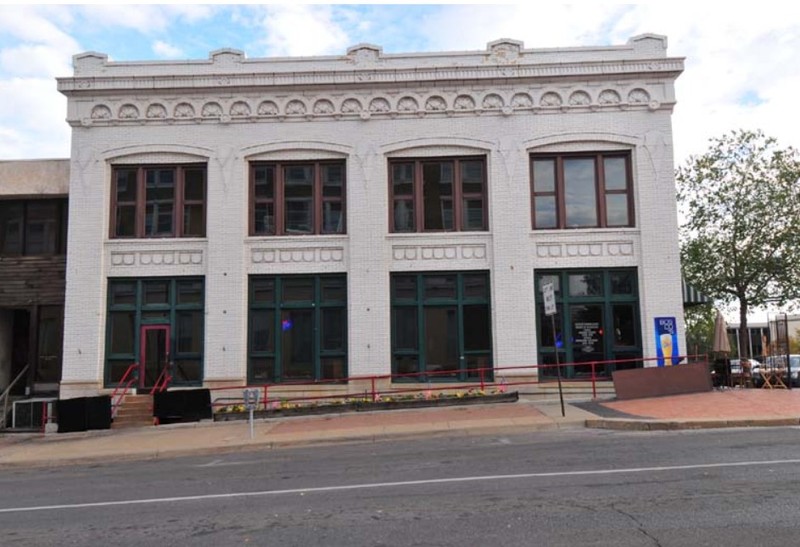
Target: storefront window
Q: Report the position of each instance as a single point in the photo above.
(597, 327)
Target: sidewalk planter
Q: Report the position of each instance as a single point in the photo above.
(367, 406)
(646, 382)
(84, 413)
(185, 405)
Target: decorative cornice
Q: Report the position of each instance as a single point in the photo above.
(330, 106)
(371, 72)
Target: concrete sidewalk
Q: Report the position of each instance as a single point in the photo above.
(730, 408)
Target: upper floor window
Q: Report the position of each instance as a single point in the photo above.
(582, 190)
(33, 227)
(158, 201)
(429, 195)
(296, 198)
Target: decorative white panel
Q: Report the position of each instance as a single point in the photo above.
(439, 252)
(580, 250)
(157, 258)
(301, 255)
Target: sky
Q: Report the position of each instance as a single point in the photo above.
(742, 66)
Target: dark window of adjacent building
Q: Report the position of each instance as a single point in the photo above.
(597, 320)
(158, 201)
(441, 325)
(49, 342)
(297, 198)
(297, 328)
(33, 227)
(582, 190)
(432, 195)
(177, 303)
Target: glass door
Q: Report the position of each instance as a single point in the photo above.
(154, 356)
(586, 338)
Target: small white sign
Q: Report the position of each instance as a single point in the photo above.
(549, 295)
(251, 397)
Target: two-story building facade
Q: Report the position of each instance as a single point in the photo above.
(299, 219)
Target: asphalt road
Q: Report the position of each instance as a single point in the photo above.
(562, 488)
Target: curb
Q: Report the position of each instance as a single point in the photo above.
(669, 425)
(274, 444)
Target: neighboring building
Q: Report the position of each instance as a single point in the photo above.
(274, 220)
(33, 235)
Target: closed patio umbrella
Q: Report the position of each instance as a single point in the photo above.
(721, 348)
(722, 343)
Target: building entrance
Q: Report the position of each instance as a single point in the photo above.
(154, 355)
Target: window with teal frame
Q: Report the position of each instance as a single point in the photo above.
(597, 326)
(441, 326)
(135, 302)
(297, 328)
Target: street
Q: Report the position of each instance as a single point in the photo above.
(573, 487)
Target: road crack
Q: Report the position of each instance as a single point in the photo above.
(639, 525)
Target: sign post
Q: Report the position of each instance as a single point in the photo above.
(250, 397)
(549, 296)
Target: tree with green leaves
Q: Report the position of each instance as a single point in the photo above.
(740, 230)
(699, 320)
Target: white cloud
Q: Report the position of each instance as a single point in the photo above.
(36, 50)
(146, 18)
(538, 25)
(34, 60)
(300, 30)
(167, 51)
(32, 118)
(38, 24)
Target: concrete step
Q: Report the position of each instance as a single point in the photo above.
(135, 411)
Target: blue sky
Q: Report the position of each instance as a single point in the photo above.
(742, 68)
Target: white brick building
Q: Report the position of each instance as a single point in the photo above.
(315, 218)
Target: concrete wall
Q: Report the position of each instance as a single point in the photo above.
(367, 122)
(33, 178)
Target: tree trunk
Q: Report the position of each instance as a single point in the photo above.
(744, 334)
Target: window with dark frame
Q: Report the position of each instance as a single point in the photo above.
(297, 328)
(598, 328)
(178, 302)
(582, 190)
(437, 194)
(158, 201)
(441, 326)
(33, 227)
(297, 198)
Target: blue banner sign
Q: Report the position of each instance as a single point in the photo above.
(667, 341)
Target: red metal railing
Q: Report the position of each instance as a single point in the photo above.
(162, 381)
(122, 389)
(420, 382)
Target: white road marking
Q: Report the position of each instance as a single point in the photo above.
(210, 464)
(223, 463)
(364, 486)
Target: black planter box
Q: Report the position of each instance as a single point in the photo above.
(84, 413)
(369, 406)
(186, 405)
